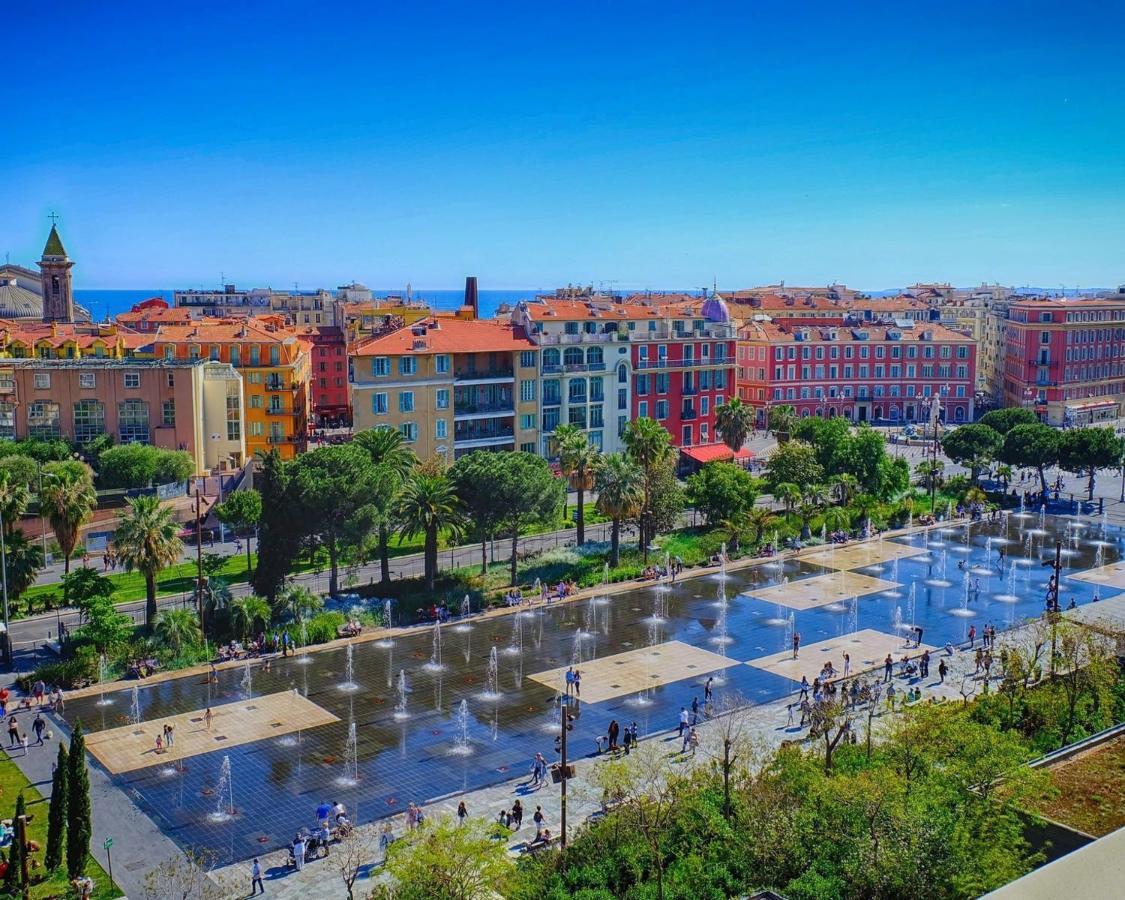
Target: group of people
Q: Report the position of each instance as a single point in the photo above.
(332, 823)
(608, 742)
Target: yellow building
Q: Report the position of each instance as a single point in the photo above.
(54, 340)
(365, 318)
(449, 385)
(275, 367)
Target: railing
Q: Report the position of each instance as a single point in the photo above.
(469, 375)
(601, 337)
(689, 390)
(460, 409)
(279, 410)
(688, 414)
(278, 385)
(474, 435)
(714, 333)
(716, 362)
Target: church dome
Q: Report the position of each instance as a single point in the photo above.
(715, 309)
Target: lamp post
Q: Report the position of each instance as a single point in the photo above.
(1123, 474)
(4, 579)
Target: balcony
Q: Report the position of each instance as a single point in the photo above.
(470, 411)
(484, 376)
(688, 414)
(277, 384)
(713, 332)
(689, 390)
(284, 439)
(470, 436)
(602, 337)
(280, 411)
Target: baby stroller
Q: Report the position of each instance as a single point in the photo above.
(313, 846)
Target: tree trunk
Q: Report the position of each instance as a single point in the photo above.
(249, 538)
(333, 562)
(1090, 486)
(580, 514)
(150, 601)
(515, 549)
(429, 557)
(615, 544)
(484, 556)
(384, 557)
(1042, 480)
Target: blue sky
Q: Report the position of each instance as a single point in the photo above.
(656, 145)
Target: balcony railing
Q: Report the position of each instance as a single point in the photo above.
(688, 414)
(280, 410)
(573, 367)
(277, 384)
(602, 337)
(465, 409)
(716, 362)
(483, 374)
(482, 434)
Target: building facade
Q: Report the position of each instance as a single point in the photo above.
(275, 367)
(450, 386)
(328, 381)
(887, 372)
(1065, 359)
(190, 405)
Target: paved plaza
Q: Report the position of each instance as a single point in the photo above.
(861, 555)
(821, 590)
(866, 648)
(1112, 575)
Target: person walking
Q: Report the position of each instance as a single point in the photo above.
(888, 668)
(208, 718)
(942, 668)
(256, 878)
(613, 730)
(847, 665)
(707, 689)
(517, 815)
(796, 643)
(683, 720)
(538, 819)
(462, 813)
(694, 710)
(299, 850)
(37, 726)
(972, 635)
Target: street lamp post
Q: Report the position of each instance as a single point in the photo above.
(4, 579)
(1123, 475)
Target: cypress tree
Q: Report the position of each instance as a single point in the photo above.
(278, 533)
(56, 815)
(79, 825)
(13, 878)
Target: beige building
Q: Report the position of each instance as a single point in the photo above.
(194, 406)
(450, 386)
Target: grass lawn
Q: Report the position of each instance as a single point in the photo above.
(1091, 790)
(12, 781)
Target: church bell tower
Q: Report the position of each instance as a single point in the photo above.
(54, 272)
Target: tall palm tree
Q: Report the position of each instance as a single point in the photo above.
(298, 602)
(146, 542)
(248, 612)
(177, 629)
(24, 560)
(759, 519)
(13, 501)
(578, 461)
(781, 420)
(426, 505)
(789, 494)
(836, 519)
(650, 446)
(845, 486)
(734, 422)
(388, 449)
(621, 495)
(68, 501)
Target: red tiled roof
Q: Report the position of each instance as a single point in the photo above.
(706, 453)
(447, 335)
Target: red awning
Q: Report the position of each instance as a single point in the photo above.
(715, 453)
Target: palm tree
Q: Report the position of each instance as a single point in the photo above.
(930, 471)
(836, 519)
(145, 541)
(789, 494)
(13, 501)
(578, 461)
(845, 485)
(426, 506)
(177, 629)
(1004, 473)
(650, 446)
(621, 495)
(68, 501)
(734, 421)
(388, 450)
(781, 420)
(24, 560)
(812, 500)
(759, 519)
(247, 612)
(866, 504)
(299, 602)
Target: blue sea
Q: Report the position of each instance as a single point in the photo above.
(107, 304)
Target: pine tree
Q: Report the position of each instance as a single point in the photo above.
(13, 878)
(278, 535)
(56, 815)
(78, 825)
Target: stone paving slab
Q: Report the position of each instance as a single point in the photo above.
(820, 590)
(132, 747)
(867, 648)
(857, 556)
(633, 671)
(1112, 575)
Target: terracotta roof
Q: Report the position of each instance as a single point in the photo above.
(637, 307)
(256, 329)
(165, 315)
(447, 335)
(706, 453)
(785, 332)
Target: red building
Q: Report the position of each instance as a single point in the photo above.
(329, 377)
(1066, 359)
(866, 372)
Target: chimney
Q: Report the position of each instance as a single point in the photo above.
(471, 298)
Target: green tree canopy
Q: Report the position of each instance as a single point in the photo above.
(649, 445)
(1031, 446)
(473, 477)
(79, 817)
(828, 437)
(141, 465)
(178, 629)
(722, 491)
(781, 420)
(389, 451)
(334, 487)
(279, 532)
(578, 461)
(427, 505)
(1004, 420)
(734, 421)
(68, 500)
(242, 511)
(793, 463)
(973, 446)
(621, 495)
(145, 541)
(19, 469)
(25, 562)
(1085, 450)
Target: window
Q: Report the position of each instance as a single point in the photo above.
(42, 381)
(572, 356)
(704, 405)
(168, 413)
(622, 398)
(8, 421)
(642, 385)
(577, 416)
(441, 429)
(132, 379)
(89, 420)
(622, 375)
(406, 401)
(87, 380)
(380, 367)
(275, 355)
(662, 383)
(527, 359)
(576, 390)
(685, 435)
(43, 420)
(255, 401)
(409, 432)
(527, 421)
(596, 420)
(662, 409)
(442, 398)
(257, 429)
(234, 418)
(527, 448)
(550, 420)
(550, 358)
(132, 422)
(550, 392)
(441, 363)
(527, 390)
(407, 365)
(379, 404)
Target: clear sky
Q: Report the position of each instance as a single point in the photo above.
(653, 144)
